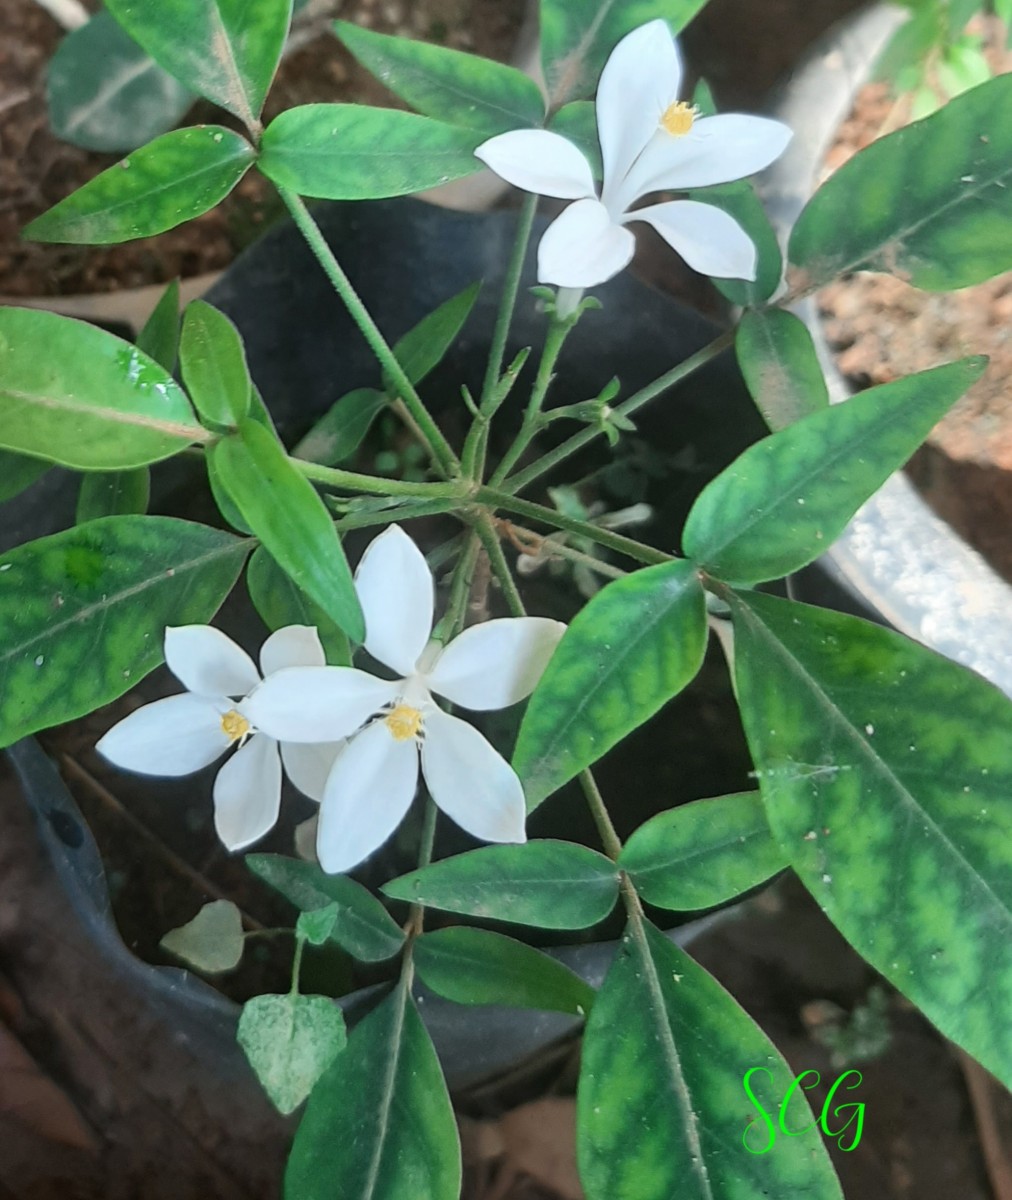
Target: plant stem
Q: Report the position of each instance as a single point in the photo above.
(610, 840)
(438, 446)
(297, 965)
(570, 446)
(550, 516)
(352, 481)
(493, 548)
(554, 340)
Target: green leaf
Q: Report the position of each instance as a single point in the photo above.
(702, 854)
(159, 338)
(931, 203)
(475, 966)
(285, 511)
(113, 494)
(353, 152)
(782, 371)
(363, 926)
(422, 348)
(378, 1125)
(909, 46)
(461, 89)
(885, 771)
(342, 429)
(75, 395)
(739, 201)
(290, 1041)
(548, 884)
(170, 180)
(213, 362)
(661, 1107)
(317, 925)
(105, 93)
(786, 499)
(101, 594)
(225, 50)
(963, 67)
(212, 942)
(578, 122)
(637, 643)
(280, 602)
(18, 473)
(578, 35)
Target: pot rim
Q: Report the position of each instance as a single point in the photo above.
(896, 556)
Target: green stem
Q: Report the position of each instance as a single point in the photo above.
(554, 340)
(352, 481)
(297, 964)
(383, 516)
(493, 548)
(550, 516)
(610, 840)
(439, 447)
(570, 446)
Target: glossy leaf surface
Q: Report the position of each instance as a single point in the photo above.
(363, 926)
(286, 513)
(113, 494)
(280, 602)
(353, 152)
(783, 374)
(661, 1111)
(577, 37)
(786, 499)
(379, 1125)
(636, 644)
(159, 336)
(105, 93)
(170, 180)
(931, 203)
(702, 854)
(75, 395)
(476, 966)
(885, 771)
(213, 363)
(290, 1041)
(462, 89)
(225, 50)
(99, 597)
(552, 885)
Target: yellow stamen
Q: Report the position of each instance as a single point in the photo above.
(234, 725)
(403, 722)
(678, 118)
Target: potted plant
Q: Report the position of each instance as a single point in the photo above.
(888, 807)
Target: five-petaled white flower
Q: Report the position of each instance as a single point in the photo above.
(391, 723)
(650, 141)
(181, 734)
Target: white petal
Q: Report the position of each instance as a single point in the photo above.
(174, 736)
(640, 79)
(709, 240)
(539, 161)
(207, 662)
(307, 764)
(470, 781)
(395, 589)
(717, 150)
(316, 704)
(583, 247)
(247, 793)
(293, 646)
(369, 790)
(497, 663)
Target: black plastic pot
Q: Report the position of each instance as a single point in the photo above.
(896, 558)
(404, 258)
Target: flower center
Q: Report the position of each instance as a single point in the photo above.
(234, 725)
(678, 118)
(404, 722)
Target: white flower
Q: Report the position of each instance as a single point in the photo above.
(374, 778)
(650, 141)
(181, 734)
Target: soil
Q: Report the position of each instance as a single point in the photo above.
(881, 329)
(101, 1098)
